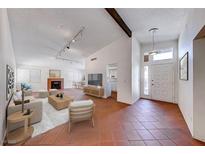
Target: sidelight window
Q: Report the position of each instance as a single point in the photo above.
(146, 80)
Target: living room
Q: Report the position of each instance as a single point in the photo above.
(38, 72)
(63, 66)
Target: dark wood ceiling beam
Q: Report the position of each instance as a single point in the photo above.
(119, 21)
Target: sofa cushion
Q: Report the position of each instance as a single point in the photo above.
(31, 98)
(17, 95)
(17, 98)
(28, 92)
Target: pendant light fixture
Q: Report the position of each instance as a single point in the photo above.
(154, 51)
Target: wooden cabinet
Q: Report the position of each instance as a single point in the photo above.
(94, 91)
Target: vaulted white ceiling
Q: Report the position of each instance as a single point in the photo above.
(41, 33)
(169, 21)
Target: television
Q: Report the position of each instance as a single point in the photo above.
(95, 79)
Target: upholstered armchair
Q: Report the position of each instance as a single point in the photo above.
(81, 111)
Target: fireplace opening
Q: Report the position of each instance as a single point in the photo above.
(55, 84)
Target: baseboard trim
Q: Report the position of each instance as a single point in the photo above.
(136, 100)
(124, 103)
(199, 139)
(158, 100)
(186, 119)
(3, 139)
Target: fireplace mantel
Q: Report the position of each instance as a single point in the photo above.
(50, 80)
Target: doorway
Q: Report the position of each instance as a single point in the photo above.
(158, 75)
(162, 82)
(111, 74)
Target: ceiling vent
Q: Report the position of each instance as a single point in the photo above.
(93, 59)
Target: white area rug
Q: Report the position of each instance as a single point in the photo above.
(50, 119)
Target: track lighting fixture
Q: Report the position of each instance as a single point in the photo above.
(69, 43)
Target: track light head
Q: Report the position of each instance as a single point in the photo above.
(153, 29)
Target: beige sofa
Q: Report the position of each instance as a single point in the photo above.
(35, 104)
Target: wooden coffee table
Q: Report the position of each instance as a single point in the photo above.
(59, 103)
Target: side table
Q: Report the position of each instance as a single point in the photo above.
(23, 133)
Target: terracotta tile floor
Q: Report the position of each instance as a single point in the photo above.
(143, 123)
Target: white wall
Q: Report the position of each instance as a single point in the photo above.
(135, 69)
(69, 74)
(118, 52)
(6, 57)
(163, 45)
(195, 21)
(199, 89)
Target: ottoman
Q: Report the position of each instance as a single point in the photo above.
(53, 91)
(42, 93)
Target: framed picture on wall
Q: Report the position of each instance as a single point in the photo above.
(184, 67)
(9, 82)
(54, 73)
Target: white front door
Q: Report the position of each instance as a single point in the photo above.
(162, 82)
